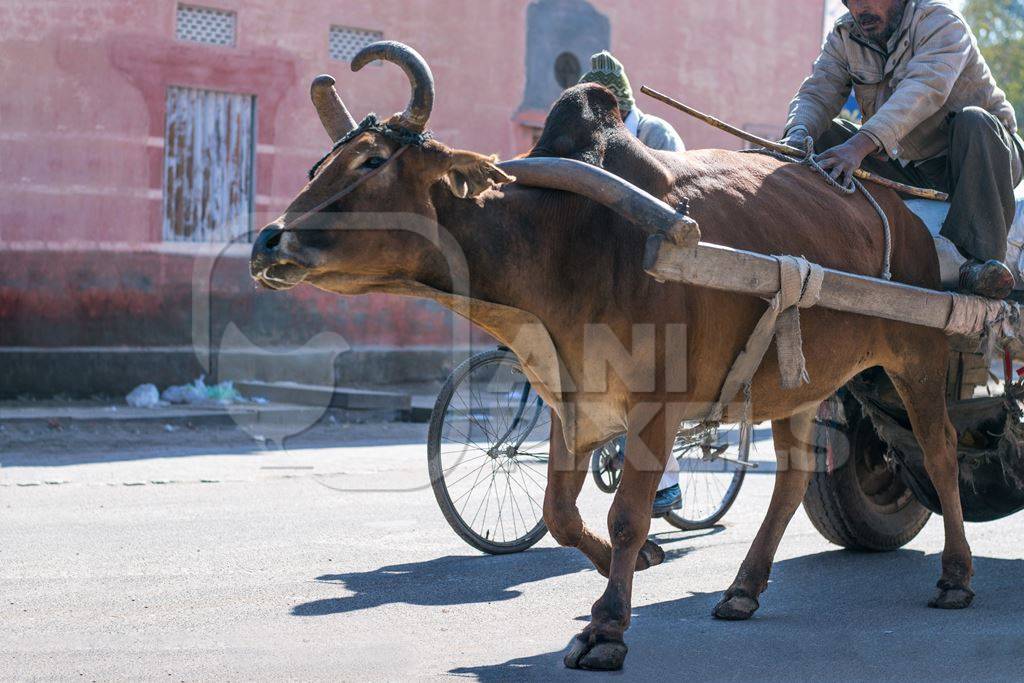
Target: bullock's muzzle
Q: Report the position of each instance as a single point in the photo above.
(270, 264)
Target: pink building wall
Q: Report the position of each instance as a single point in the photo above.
(82, 129)
(81, 118)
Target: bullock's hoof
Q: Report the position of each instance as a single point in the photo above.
(650, 555)
(736, 606)
(604, 655)
(950, 596)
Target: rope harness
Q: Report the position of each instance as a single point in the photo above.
(405, 138)
(348, 189)
(371, 124)
(799, 287)
(853, 186)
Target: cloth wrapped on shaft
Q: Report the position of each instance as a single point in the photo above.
(993, 322)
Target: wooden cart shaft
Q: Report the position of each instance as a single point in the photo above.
(747, 272)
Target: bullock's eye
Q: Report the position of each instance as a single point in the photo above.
(374, 162)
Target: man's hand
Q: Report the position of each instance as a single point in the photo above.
(796, 137)
(840, 162)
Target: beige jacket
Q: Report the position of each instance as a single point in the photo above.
(930, 68)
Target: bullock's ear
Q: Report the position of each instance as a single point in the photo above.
(469, 174)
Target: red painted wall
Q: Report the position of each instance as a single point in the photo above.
(82, 126)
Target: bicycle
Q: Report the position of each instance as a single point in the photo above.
(712, 465)
(487, 455)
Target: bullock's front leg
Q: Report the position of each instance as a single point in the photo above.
(600, 646)
(795, 456)
(566, 474)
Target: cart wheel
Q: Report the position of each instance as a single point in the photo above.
(712, 465)
(487, 453)
(862, 504)
(606, 464)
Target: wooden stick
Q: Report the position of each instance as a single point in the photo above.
(790, 151)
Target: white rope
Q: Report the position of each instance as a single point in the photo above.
(887, 258)
(799, 287)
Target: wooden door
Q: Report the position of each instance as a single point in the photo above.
(208, 166)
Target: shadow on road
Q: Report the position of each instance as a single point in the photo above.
(457, 580)
(828, 616)
(451, 580)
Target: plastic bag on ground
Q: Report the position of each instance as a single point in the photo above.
(143, 396)
(198, 392)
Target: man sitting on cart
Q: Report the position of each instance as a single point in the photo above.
(656, 133)
(933, 117)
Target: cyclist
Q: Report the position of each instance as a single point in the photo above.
(658, 134)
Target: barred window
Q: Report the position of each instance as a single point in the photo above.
(344, 42)
(206, 25)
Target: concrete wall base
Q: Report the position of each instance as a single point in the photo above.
(79, 372)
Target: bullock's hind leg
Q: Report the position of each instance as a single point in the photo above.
(600, 646)
(795, 455)
(921, 383)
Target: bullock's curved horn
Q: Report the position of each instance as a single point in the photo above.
(629, 201)
(331, 109)
(417, 113)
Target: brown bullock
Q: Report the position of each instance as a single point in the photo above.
(538, 268)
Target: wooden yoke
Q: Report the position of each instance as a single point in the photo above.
(641, 208)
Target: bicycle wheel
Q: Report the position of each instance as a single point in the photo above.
(487, 452)
(712, 465)
(606, 464)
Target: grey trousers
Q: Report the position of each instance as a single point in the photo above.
(980, 172)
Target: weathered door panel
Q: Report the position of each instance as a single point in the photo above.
(208, 165)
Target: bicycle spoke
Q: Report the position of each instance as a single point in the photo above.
(522, 518)
(486, 500)
(453, 483)
(463, 462)
(501, 505)
(470, 490)
(526, 491)
(532, 478)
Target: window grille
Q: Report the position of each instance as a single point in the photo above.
(345, 42)
(206, 25)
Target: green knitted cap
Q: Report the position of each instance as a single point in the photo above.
(608, 71)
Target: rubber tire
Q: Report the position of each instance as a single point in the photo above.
(834, 502)
(436, 470)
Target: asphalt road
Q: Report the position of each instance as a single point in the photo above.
(182, 560)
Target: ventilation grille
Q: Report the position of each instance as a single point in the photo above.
(206, 25)
(345, 42)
